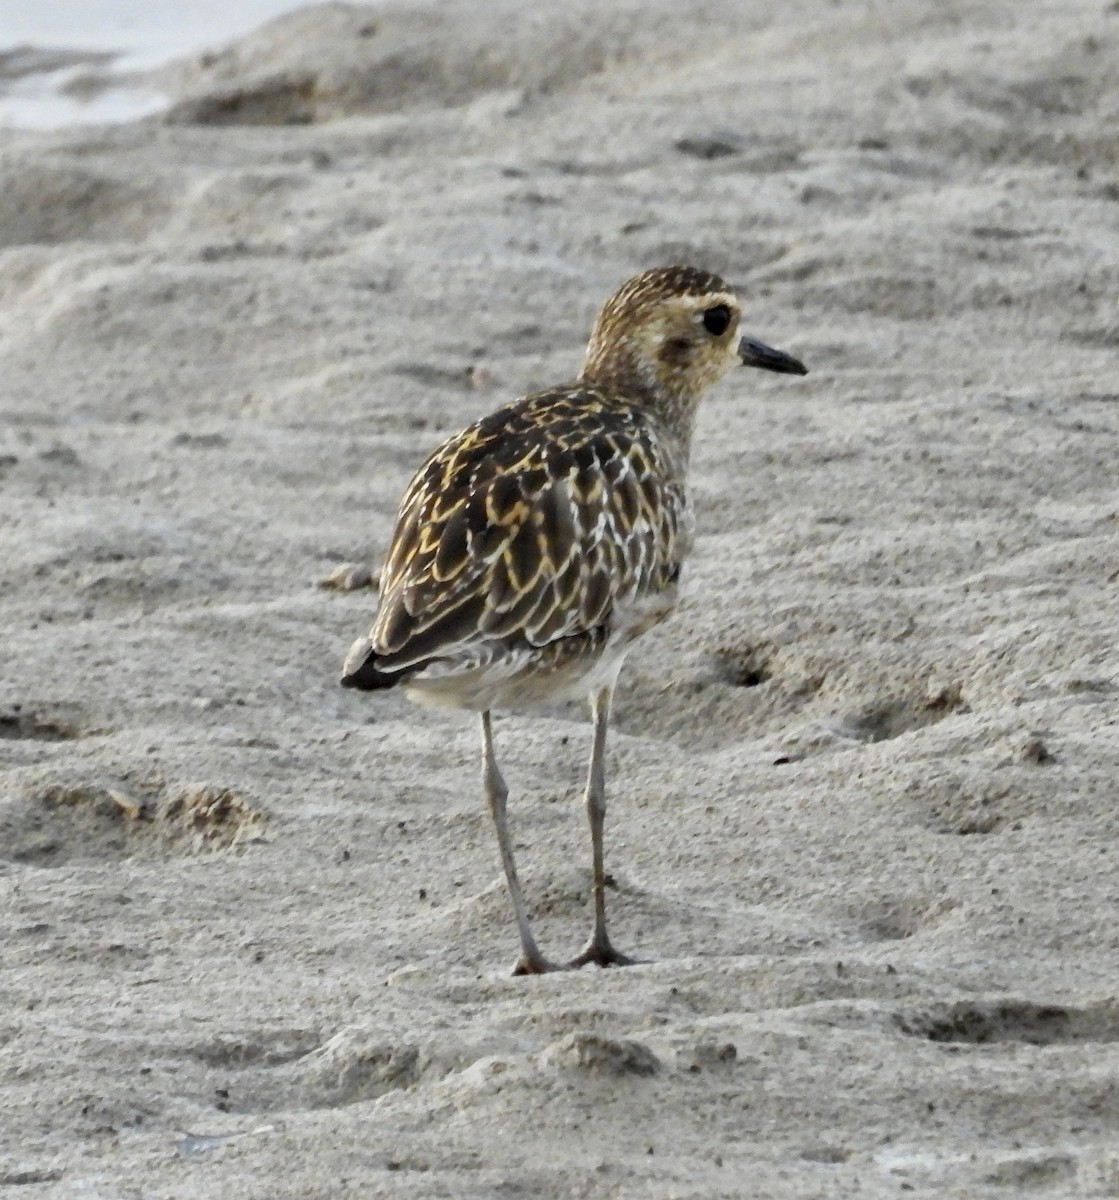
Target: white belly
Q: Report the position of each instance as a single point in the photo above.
(529, 676)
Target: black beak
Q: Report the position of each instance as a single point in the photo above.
(757, 354)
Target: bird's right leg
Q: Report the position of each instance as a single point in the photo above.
(531, 962)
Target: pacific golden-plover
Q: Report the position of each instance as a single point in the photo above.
(533, 549)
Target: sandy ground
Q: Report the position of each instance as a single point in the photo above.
(863, 802)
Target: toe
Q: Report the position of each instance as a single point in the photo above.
(602, 956)
(534, 965)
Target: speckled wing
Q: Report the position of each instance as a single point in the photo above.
(535, 524)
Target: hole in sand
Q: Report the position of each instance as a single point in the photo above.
(890, 717)
(747, 665)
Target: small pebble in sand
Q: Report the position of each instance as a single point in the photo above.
(349, 577)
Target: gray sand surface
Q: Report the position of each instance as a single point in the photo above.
(863, 786)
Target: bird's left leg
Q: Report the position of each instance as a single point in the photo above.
(598, 949)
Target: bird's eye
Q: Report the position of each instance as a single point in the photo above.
(716, 320)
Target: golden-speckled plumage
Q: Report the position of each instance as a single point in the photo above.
(530, 527)
(553, 530)
(532, 549)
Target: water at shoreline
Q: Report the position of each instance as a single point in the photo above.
(48, 49)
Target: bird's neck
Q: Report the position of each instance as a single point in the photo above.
(665, 394)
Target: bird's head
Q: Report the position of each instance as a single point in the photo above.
(671, 333)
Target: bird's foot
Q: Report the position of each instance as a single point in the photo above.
(534, 964)
(602, 954)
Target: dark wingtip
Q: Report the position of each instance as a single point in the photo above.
(368, 677)
(360, 670)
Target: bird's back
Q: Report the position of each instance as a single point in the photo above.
(547, 531)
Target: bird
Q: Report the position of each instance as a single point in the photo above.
(533, 549)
